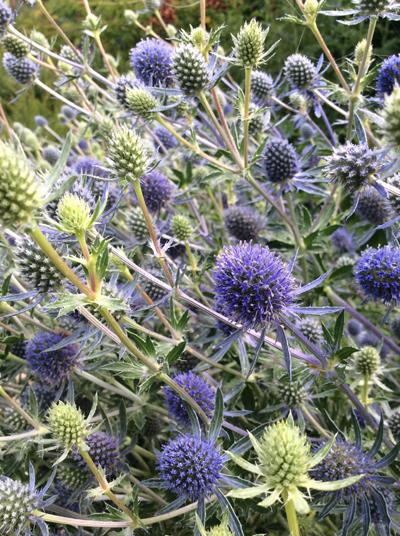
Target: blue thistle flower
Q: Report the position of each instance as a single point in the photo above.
(354, 327)
(41, 121)
(197, 388)
(6, 16)
(242, 223)
(342, 240)
(281, 162)
(51, 154)
(388, 75)
(373, 207)
(151, 60)
(104, 451)
(51, 366)
(190, 466)
(252, 284)
(378, 273)
(164, 140)
(23, 70)
(299, 70)
(122, 85)
(157, 190)
(262, 86)
(91, 167)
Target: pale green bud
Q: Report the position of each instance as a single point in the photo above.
(360, 51)
(67, 424)
(74, 214)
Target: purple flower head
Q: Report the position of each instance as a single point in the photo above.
(51, 366)
(242, 223)
(6, 16)
(157, 190)
(342, 240)
(23, 70)
(388, 75)
(252, 284)
(104, 450)
(378, 273)
(164, 140)
(281, 162)
(197, 388)
(45, 395)
(151, 60)
(91, 167)
(190, 466)
(41, 121)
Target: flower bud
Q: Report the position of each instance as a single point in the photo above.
(74, 214)
(391, 118)
(190, 69)
(67, 424)
(311, 8)
(17, 502)
(367, 361)
(199, 37)
(15, 46)
(137, 224)
(181, 228)
(249, 44)
(360, 51)
(127, 154)
(140, 102)
(23, 70)
(91, 23)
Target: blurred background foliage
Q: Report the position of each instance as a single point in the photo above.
(120, 36)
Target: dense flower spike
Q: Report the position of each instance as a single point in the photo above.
(249, 44)
(372, 7)
(6, 16)
(190, 69)
(67, 425)
(51, 366)
(342, 240)
(373, 207)
(391, 118)
(311, 328)
(262, 86)
(394, 425)
(151, 60)
(199, 390)
(23, 70)
(157, 190)
(137, 224)
(19, 191)
(104, 451)
(36, 269)
(190, 466)
(299, 70)
(388, 75)
(164, 140)
(140, 102)
(127, 154)
(15, 46)
(74, 213)
(367, 361)
(242, 223)
(292, 394)
(181, 227)
(378, 273)
(252, 285)
(280, 161)
(17, 503)
(353, 165)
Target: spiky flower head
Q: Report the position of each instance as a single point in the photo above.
(51, 366)
(367, 361)
(252, 284)
(6, 16)
(353, 165)
(299, 70)
(249, 44)
(181, 227)
(23, 70)
(154, 292)
(220, 530)
(74, 214)
(186, 363)
(394, 424)
(15, 46)
(35, 267)
(354, 327)
(124, 83)
(68, 481)
(190, 69)
(190, 466)
(164, 140)
(391, 118)
(372, 7)
(373, 207)
(311, 328)
(19, 191)
(141, 102)
(51, 154)
(345, 260)
(197, 388)
(242, 223)
(292, 394)
(17, 503)
(137, 224)
(91, 168)
(360, 51)
(104, 451)
(157, 190)
(388, 75)
(378, 273)
(151, 61)
(67, 424)
(342, 240)
(395, 199)
(256, 121)
(262, 86)
(127, 154)
(280, 161)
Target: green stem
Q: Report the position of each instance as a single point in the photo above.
(192, 260)
(291, 516)
(203, 14)
(365, 390)
(298, 238)
(246, 118)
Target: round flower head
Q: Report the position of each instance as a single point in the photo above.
(67, 424)
(220, 530)
(74, 213)
(157, 190)
(252, 285)
(352, 165)
(292, 394)
(141, 102)
(190, 466)
(104, 451)
(249, 44)
(68, 481)
(378, 273)
(262, 86)
(127, 154)
(19, 192)
(36, 268)
(373, 207)
(41, 121)
(164, 140)
(299, 70)
(391, 118)
(388, 75)
(242, 223)
(6, 16)
(190, 69)
(91, 168)
(367, 361)
(51, 154)
(354, 327)
(342, 240)
(23, 70)
(17, 503)
(154, 292)
(137, 224)
(394, 425)
(197, 388)
(15, 46)
(311, 328)
(181, 228)
(151, 60)
(372, 7)
(280, 161)
(51, 366)
(124, 83)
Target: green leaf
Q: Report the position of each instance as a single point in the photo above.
(322, 453)
(338, 331)
(127, 370)
(175, 353)
(332, 486)
(216, 421)
(249, 493)
(60, 164)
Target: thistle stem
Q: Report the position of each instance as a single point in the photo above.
(246, 115)
(365, 390)
(291, 516)
(203, 14)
